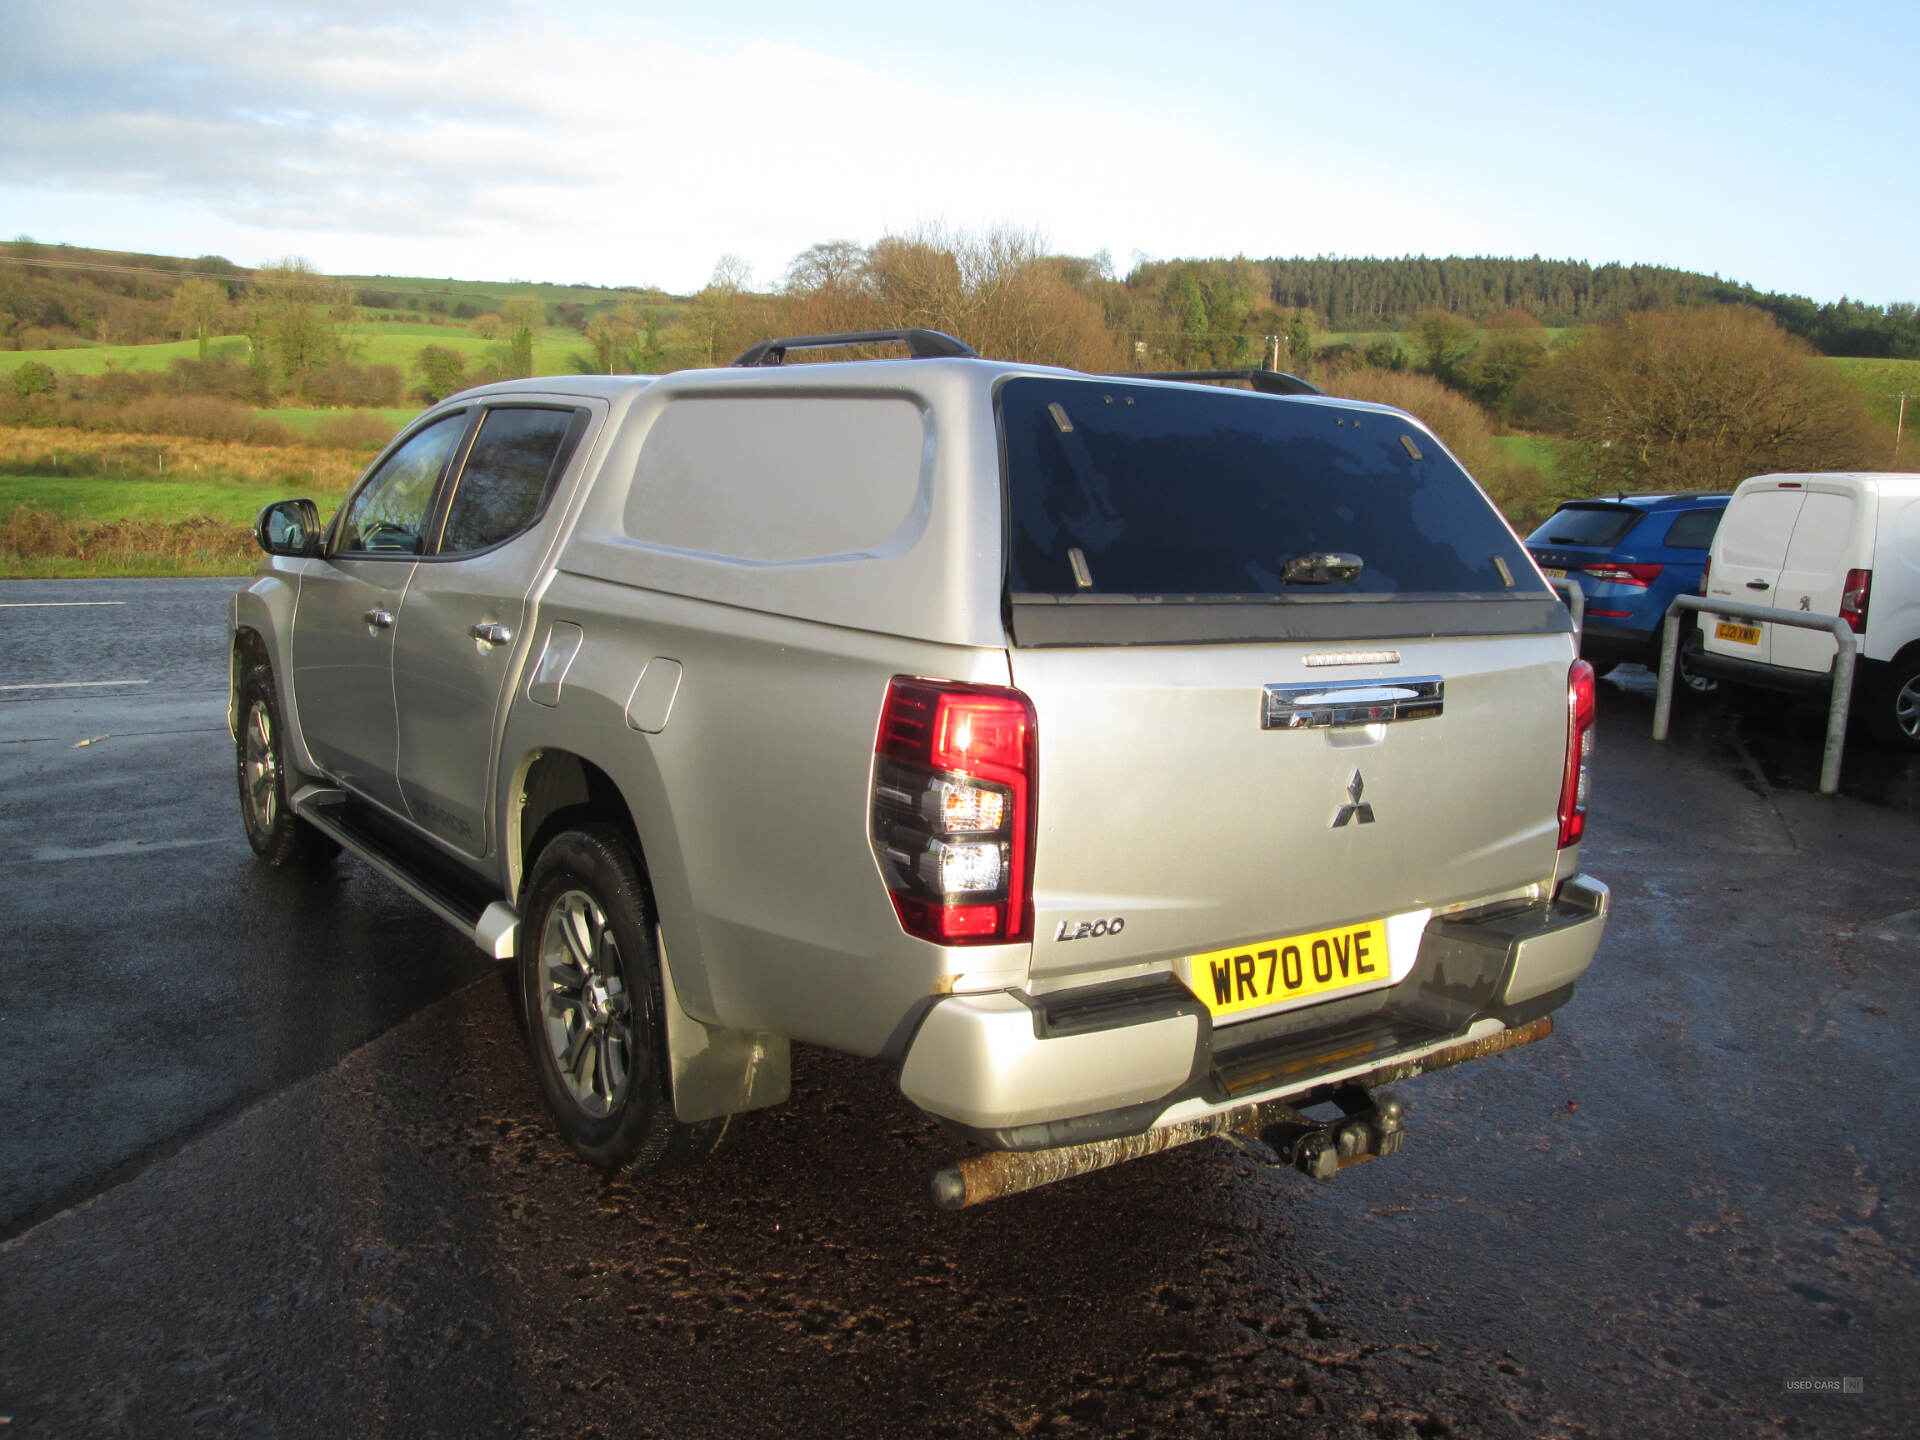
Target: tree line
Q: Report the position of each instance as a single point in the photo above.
(1688, 395)
(52, 296)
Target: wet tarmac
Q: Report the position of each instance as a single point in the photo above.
(1698, 1194)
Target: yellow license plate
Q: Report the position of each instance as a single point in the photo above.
(1555, 574)
(1248, 977)
(1743, 634)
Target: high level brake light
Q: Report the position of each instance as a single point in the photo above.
(952, 810)
(1576, 779)
(1854, 596)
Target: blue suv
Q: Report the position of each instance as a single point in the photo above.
(1632, 554)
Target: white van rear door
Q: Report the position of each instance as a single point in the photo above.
(1813, 577)
(1750, 551)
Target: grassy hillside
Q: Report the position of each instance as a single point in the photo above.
(370, 344)
(91, 503)
(1880, 383)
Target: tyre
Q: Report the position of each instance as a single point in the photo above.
(1687, 680)
(1896, 708)
(278, 836)
(591, 996)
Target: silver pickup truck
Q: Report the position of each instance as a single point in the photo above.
(1127, 759)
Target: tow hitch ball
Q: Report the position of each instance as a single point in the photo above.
(1368, 1125)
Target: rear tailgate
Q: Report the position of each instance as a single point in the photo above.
(1296, 684)
(1172, 823)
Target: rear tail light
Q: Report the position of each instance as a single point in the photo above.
(1853, 600)
(1574, 782)
(1641, 575)
(952, 818)
(1706, 569)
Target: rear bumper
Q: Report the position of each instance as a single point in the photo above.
(1613, 642)
(1759, 675)
(1022, 1072)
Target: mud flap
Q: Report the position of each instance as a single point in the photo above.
(717, 1070)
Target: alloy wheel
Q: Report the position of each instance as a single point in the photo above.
(586, 1012)
(262, 772)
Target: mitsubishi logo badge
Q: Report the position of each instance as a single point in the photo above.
(1357, 809)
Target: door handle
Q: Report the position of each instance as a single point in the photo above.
(491, 634)
(378, 619)
(1758, 585)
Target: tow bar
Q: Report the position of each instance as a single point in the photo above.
(1369, 1123)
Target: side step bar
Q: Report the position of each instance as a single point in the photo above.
(489, 923)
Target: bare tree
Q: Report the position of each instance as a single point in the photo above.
(199, 308)
(294, 319)
(1696, 399)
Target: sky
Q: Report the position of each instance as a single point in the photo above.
(639, 144)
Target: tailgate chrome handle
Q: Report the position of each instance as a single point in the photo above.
(1319, 705)
(378, 619)
(488, 634)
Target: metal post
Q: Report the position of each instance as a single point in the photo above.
(1576, 602)
(1669, 658)
(1837, 708)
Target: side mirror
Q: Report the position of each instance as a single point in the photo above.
(289, 527)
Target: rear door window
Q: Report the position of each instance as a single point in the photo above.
(1188, 494)
(1600, 525)
(510, 471)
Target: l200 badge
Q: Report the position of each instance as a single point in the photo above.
(1090, 929)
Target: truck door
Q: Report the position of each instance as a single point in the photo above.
(463, 629)
(342, 669)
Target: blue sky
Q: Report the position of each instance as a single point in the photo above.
(638, 144)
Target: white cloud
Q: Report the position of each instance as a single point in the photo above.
(519, 142)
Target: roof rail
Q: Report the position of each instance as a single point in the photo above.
(1267, 382)
(921, 345)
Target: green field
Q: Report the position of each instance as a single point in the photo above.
(1540, 451)
(98, 359)
(163, 500)
(304, 422)
(368, 344)
(1881, 383)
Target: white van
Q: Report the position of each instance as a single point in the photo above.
(1841, 544)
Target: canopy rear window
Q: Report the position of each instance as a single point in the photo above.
(1119, 491)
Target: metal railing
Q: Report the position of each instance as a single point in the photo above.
(1841, 678)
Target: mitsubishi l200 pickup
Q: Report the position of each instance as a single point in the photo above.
(1126, 759)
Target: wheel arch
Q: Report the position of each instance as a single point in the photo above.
(716, 1070)
(555, 790)
(249, 648)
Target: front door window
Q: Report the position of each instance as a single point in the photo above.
(388, 514)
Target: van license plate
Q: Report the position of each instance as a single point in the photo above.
(1250, 977)
(1742, 634)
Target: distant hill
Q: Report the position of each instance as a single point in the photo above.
(61, 296)
(1374, 295)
